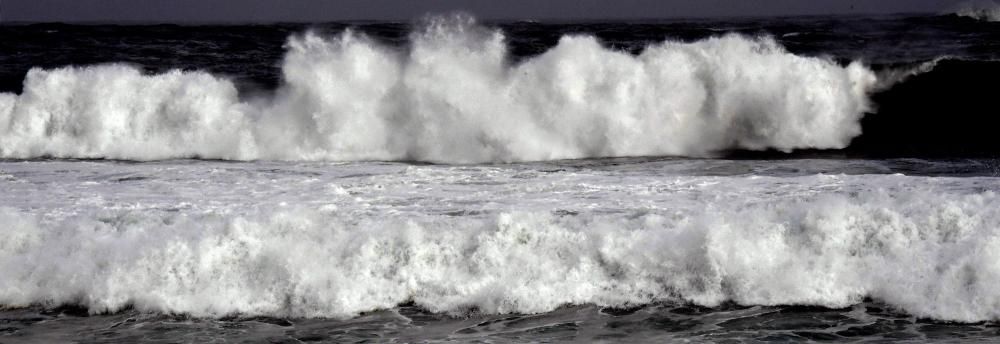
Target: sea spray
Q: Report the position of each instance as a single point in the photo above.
(986, 10)
(452, 95)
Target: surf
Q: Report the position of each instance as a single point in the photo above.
(923, 245)
(453, 94)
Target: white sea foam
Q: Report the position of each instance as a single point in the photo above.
(930, 255)
(335, 240)
(114, 111)
(451, 95)
(987, 10)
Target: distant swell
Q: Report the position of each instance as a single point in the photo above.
(929, 253)
(454, 96)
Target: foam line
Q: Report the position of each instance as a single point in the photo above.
(928, 253)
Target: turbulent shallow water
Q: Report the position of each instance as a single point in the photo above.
(658, 248)
(862, 323)
(808, 178)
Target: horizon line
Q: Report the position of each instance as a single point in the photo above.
(141, 22)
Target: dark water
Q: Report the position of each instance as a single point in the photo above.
(862, 323)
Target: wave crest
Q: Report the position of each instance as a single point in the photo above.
(452, 95)
(986, 10)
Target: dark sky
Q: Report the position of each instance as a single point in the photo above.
(326, 10)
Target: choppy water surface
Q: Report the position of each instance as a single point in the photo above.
(861, 323)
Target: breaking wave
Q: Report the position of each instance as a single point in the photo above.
(982, 10)
(452, 95)
(931, 254)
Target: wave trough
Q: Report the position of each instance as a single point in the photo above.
(453, 96)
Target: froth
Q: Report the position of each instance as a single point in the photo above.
(114, 111)
(451, 95)
(930, 254)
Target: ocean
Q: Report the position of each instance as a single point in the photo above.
(812, 178)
